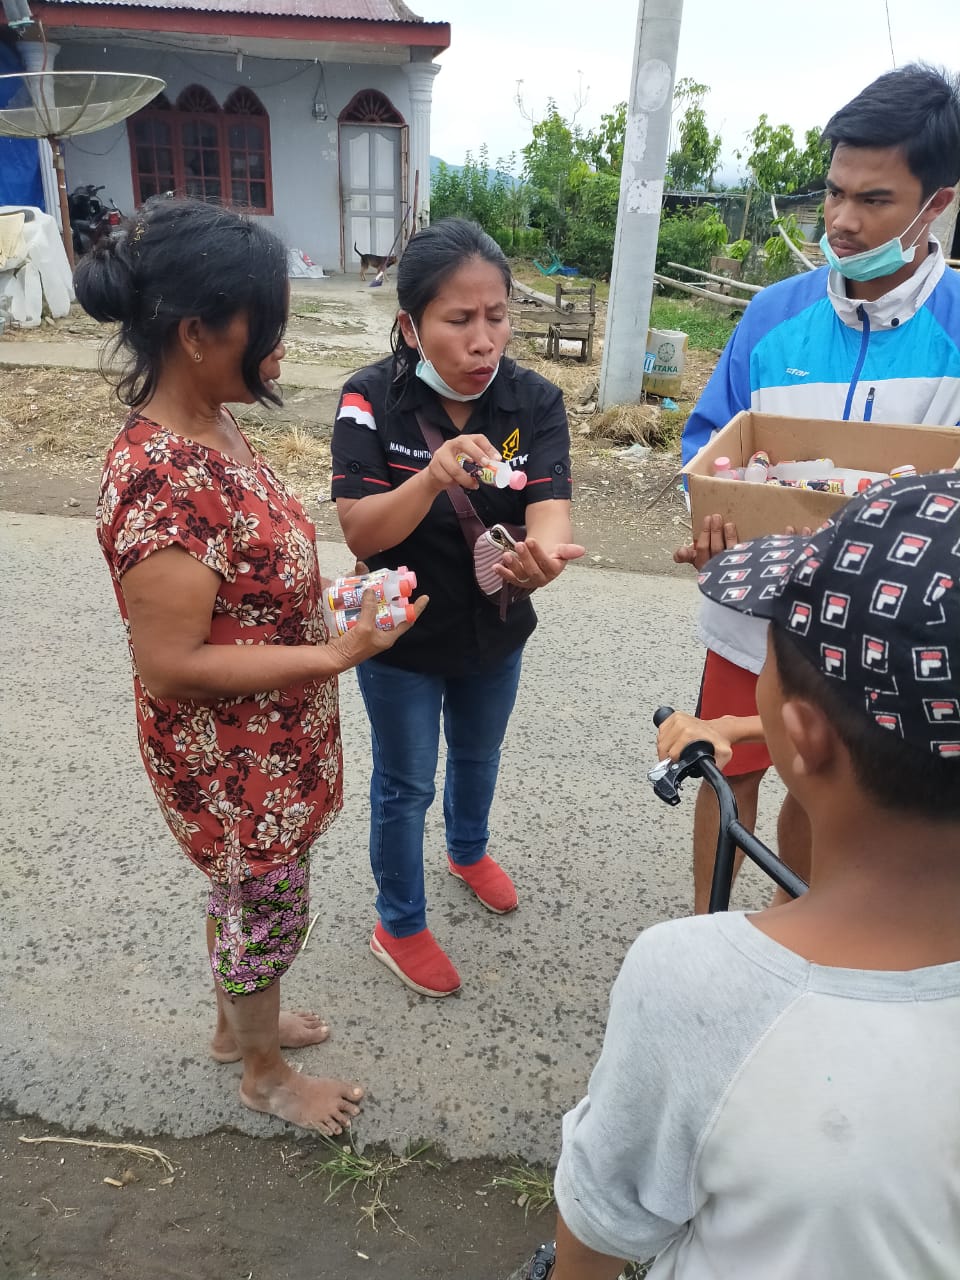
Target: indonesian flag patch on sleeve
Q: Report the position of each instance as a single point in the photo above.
(354, 406)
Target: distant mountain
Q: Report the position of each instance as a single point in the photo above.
(436, 162)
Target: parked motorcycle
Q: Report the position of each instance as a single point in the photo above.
(90, 218)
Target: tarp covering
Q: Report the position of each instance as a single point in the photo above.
(20, 181)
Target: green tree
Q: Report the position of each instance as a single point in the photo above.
(476, 192)
(516, 204)
(593, 221)
(814, 159)
(692, 165)
(603, 148)
(447, 197)
(548, 158)
(775, 163)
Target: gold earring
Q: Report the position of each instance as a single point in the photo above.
(198, 356)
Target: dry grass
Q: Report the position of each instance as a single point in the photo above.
(68, 421)
(631, 424)
(292, 447)
(126, 1148)
(572, 377)
(306, 350)
(57, 413)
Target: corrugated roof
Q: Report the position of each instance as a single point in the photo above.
(363, 10)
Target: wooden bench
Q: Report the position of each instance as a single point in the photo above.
(561, 321)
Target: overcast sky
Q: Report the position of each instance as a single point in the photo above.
(796, 62)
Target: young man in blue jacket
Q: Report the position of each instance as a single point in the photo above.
(874, 335)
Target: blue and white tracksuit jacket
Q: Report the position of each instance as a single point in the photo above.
(804, 349)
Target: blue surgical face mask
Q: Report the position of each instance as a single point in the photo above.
(427, 373)
(884, 260)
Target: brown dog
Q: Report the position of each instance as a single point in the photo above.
(379, 262)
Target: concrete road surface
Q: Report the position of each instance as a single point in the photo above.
(107, 998)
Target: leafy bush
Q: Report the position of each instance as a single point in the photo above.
(590, 236)
(690, 238)
(778, 261)
(476, 191)
(738, 250)
(527, 240)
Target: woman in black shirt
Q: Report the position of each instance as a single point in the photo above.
(447, 380)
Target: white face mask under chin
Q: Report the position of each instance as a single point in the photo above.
(427, 373)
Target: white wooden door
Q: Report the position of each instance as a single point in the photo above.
(370, 182)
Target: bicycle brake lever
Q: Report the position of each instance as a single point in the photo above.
(667, 777)
(663, 778)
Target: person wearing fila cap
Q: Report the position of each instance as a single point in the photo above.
(776, 1095)
(873, 335)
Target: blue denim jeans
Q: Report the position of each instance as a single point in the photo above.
(405, 708)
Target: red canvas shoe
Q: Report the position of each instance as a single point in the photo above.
(418, 961)
(489, 882)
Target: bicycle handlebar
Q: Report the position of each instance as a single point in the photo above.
(697, 761)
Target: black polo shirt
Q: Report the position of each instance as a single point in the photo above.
(378, 445)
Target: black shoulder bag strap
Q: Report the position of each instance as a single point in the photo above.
(471, 526)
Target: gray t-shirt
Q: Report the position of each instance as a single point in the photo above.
(754, 1116)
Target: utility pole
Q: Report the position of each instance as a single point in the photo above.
(641, 195)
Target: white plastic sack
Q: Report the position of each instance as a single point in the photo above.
(664, 363)
(302, 267)
(37, 271)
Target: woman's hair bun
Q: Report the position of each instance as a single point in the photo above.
(103, 281)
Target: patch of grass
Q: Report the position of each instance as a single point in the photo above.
(708, 327)
(532, 1188)
(346, 1167)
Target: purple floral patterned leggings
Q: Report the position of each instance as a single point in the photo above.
(259, 933)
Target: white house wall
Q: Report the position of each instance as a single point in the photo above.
(304, 156)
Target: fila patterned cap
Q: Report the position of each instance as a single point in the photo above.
(871, 600)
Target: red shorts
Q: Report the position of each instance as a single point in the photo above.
(729, 690)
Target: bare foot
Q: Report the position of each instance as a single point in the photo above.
(311, 1102)
(297, 1029)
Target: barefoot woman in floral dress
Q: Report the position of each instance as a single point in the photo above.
(216, 575)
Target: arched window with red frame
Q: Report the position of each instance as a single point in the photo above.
(248, 151)
(198, 149)
(370, 106)
(201, 144)
(152, 143)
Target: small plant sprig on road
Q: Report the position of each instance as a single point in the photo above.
(345, 1166)
(532, 1188)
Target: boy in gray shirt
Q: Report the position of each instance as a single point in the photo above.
(777, 1093)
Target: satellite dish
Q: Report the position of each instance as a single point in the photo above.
(60, 104)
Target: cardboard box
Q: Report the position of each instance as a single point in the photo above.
(758, 509)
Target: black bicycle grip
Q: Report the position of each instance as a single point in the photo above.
(661, 714)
